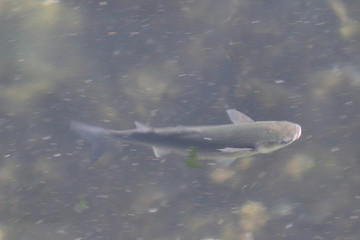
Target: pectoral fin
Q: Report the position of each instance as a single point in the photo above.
(237, 117)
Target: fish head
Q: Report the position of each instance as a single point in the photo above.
(279, 135)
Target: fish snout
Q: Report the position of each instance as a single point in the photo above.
(297, 132)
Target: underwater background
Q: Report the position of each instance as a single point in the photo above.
(169, 63)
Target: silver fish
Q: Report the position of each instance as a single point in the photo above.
(244, 137)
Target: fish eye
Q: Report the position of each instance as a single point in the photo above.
(286, 141)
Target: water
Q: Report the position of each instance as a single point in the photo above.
(109, 63)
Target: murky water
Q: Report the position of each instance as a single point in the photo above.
(169, 63)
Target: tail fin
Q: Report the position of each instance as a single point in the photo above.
(96, 135)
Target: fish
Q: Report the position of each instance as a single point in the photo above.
(225, 143)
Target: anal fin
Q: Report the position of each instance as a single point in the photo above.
(160, 152)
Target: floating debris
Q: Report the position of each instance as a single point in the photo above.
(193, 160)
(81, 206)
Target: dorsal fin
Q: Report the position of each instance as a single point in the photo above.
(140, 126)
(237, 117)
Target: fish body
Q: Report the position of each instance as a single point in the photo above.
(244, 137)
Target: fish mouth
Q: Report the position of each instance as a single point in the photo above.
(297, 132)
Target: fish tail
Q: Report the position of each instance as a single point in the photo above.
(98, 137)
